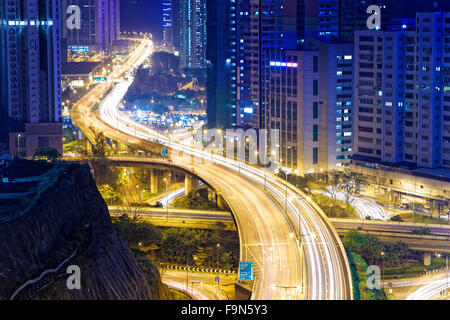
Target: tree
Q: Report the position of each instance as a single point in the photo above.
(200, 256)
(47, 153)
(100, 146)
(334, 183)
(108, 194)
(226, 260)
(352, 183)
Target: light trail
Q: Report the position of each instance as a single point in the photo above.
(325, 269)
(364, 207)
(431, 290)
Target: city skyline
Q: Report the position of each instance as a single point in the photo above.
(224, 150)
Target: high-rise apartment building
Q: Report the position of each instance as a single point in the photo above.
(335, 108)
(342, 17)
(167, 23)
(292, 100)
(176, 25)
(99, 23)
(261, 26)
(193, 33)
(31, 75)
(221, 63)
(402, 93)
(308, 94)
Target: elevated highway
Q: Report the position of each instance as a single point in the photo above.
(392, 232)
(296, 250)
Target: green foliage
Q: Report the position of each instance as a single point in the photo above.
(411, 270)
(396, 218)
(109, 194)
(47, 153)
(74, 147)
(196, 199)
(349, 182)
(373, 251)
(334, 208)
(137, 232)
(227, 260)
(100, 147)
(200, 256)
(422, 231)
(181, 245)
(165, 62)
(358, 268)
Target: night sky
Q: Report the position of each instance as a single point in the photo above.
(142, 16)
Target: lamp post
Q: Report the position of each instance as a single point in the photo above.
(167, 199)
(286, 172)
(18, 145)
(382, 266)
(217, 264)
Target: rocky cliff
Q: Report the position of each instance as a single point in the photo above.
(68, 221)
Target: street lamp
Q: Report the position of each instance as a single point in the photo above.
(286, 172)
(217, 264)
(18, 145)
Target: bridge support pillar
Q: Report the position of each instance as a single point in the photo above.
(220, 202)
(190, 183)
(88, 147)
(427, 258)
(153, 181)
(122, 146)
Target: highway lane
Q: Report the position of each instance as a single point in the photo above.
(391, 226)
(199, 285)
(178, 214)
(326, 271)
(431, 290)
(327, 274)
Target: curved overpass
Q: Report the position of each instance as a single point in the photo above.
(263, 238)
(296, 250)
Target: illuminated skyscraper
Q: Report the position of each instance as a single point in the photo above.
(167, 23)
(193, 33)
(99, 24)
(31, 75)
(244, 36)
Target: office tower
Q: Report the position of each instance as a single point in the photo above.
(292, 99)
(335, 106)
(368, 93)
(167, 23)
(176, 25)
(4, 126)
(31, 75)
(308, 94)
(342, 17)
(221, 64)
(248, 63)
(411, 95)
(108, 23)
(193, 33)
(86, 35)
(99, 24)
(329, 15)
(262, 26)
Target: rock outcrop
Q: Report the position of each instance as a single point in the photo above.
(69, 219)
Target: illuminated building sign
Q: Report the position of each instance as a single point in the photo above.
(283, 64)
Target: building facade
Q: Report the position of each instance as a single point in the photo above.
(291, 91)
(99, 23)
(402, 93)
(221, 64)
(193, 34)
(31, 74)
